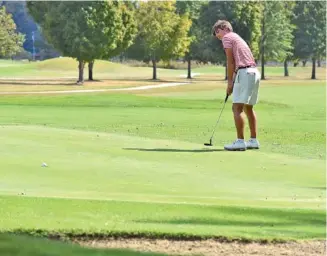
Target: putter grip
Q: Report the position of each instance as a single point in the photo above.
(226, 98)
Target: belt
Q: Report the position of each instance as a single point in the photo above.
(244, 68)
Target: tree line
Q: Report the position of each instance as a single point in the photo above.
(151, 31)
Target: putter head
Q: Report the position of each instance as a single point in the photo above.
(208, 144)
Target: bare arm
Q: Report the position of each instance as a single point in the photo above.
(230, 65)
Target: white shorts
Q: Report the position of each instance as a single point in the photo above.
(246, 86)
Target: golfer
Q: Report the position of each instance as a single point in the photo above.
(243, 82)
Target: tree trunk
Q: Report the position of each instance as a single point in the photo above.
(91, 64)
(304, 62)
(189, 76)
(154, 65)
(295, 64)
(263, 50)
(319, 62)
(286, 68)
(263, 65)
(313, 75)
(81, 65)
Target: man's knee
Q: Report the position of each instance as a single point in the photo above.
(248, 109)
(237, 108)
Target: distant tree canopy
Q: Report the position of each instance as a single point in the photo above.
(276, 32)
(11, 42)
(27, 26)
(163, 30)
(163, 34)
(245, 18)
(86, 30)
(192, 9)
(24, 23)
(310, 31)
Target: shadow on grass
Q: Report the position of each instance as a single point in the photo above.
(230, 222)
(318, 188)
(248, 217)
(175, 150)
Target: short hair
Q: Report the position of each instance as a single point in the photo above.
(222, 24)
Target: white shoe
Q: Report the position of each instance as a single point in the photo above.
(237, 145)
(252, 144)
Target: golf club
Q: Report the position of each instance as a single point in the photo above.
(210, 143)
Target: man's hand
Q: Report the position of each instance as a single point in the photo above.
(229, 89)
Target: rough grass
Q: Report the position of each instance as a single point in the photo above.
(14, 245)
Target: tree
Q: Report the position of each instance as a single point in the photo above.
(276, 33)
(192, 9)
(107, 44)
(24, 23)
(310, 39)
(85, 30)
(245, 18)
(11, 42)
(209, 48)
(247, 24)
(289, 14)
(27, 26)
(163, 34)
(301, 49)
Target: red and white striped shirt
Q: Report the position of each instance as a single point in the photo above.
(241, 52)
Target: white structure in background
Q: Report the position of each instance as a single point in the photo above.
(33, 39)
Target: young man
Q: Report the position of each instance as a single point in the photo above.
(243, 82)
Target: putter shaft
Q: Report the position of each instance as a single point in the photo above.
(214, 129)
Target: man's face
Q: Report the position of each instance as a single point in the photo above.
(219, 33)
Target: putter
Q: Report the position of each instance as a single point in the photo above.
(210, 142)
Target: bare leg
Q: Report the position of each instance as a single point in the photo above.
(239, 119)
(252, 118)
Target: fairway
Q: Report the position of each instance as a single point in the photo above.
(132, 163)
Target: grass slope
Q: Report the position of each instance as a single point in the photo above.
(67, 68)
(129, 164)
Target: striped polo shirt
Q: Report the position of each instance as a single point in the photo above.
(241, 51)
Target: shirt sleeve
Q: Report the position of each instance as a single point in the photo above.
(227, 42)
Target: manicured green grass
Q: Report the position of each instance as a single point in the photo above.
(131, 164)
(110, 166)
(71, 217)
(13, 245)
(287, 124)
